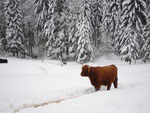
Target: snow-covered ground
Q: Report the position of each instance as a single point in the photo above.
(30, 86)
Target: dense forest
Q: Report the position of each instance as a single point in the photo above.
(75, 30)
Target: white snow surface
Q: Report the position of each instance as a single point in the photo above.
(33, 86)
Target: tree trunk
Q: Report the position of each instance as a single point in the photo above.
(130, 62)
(17, 54)
(31, 51)
(13, 54)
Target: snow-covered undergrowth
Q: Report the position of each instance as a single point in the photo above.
(30, 86)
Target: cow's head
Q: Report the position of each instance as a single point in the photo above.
(85, 70)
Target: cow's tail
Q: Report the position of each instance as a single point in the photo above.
(116, 76)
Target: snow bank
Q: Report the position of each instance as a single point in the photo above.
(30, 86)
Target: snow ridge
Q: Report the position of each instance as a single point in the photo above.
(66, 96)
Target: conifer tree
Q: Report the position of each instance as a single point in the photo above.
(130, 47)
(30, 39)
(133, 18)
(48, 30)
(106, 42)
(41, 8)
(96, 21)
(85, 50)
(2, 27)
(57, 30)
(14, 33)
(134, 12)
(114, 10)
(146, 39)
(73, 35)
(118, 30)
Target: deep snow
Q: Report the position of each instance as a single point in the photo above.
(33, 86)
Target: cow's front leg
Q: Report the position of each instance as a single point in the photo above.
(97, 88)
(108, 86)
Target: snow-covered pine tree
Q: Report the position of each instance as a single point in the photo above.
(73, 35)
(130, 47)
(57, 31)
(85, 50)
(106, 42)
(14, 33)
(115, 23)
(118, 28)
(135, 13)
(96, 21)
(2, 27)
(117, 44)
(146, 38)
(30, 39)
(41, 9)
(133, 18)
(2, 19)
(114, 15)
(48, 30)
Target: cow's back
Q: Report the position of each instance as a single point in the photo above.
(108, 74)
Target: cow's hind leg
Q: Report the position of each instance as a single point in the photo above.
(115, 82)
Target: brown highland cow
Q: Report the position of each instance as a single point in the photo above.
(101, 76)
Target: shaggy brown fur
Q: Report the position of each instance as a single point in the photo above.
(101, 76)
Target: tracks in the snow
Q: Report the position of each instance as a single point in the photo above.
(88, 91)
(41, 104)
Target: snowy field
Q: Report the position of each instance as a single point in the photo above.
(30, 86)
